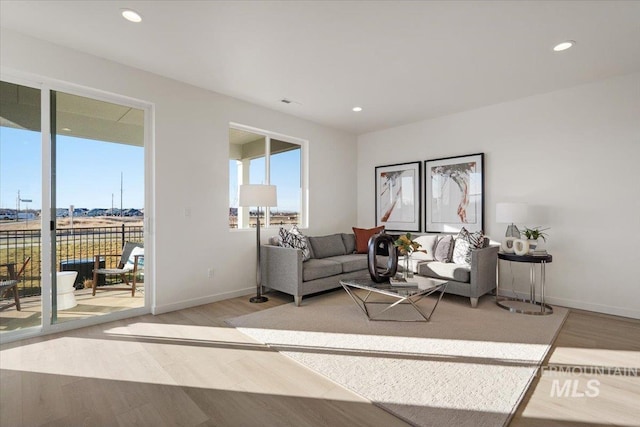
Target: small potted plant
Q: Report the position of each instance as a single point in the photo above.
(406, 246)
(533, 234)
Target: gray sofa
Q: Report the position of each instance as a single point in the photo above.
(333, 259)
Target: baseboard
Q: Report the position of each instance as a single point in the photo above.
(180, 305)
(581, 305)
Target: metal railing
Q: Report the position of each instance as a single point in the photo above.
(72, 245)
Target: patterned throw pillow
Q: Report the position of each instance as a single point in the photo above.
(475, 240)
(442, 251)
(461, 251)
(294, 239)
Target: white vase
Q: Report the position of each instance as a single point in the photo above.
(521, 247)
(507, 245)
(533, 244)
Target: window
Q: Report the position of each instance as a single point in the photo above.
(261, 157)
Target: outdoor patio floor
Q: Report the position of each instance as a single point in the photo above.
(104, 302)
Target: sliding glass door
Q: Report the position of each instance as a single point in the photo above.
(20, 207)
(97, 194)
(70, 198)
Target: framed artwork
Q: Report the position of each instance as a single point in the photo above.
(398, 196)
(454, 194)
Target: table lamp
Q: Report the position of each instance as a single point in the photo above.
(510, 213)
(256, 195)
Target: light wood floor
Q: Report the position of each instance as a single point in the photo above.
(188, 368)
(592, 347)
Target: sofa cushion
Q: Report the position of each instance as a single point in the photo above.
(446, 270)
(443, 249)
(427, 243)
(362, 237)
(352, 262)
(326, 246)
(349, 241)
(319, 268)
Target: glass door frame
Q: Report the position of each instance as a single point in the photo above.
(46, 86)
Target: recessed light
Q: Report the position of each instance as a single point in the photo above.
(357, 109)
(564, 45)
(131, 15)
(66, 129)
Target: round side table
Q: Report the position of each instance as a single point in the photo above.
(544, 308)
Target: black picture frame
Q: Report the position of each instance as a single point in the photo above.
(454, 193)
(398, 197)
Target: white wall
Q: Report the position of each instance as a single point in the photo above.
(191, 169)
(573, 155)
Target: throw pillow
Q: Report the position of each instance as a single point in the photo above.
(461, 251)
(427, 243)
(362, 237)
(296, 240)
(442, 252)
(476, 241)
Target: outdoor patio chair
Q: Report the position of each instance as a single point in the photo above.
(10, 282)
(131, 262)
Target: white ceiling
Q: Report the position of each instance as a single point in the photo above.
(400, 61)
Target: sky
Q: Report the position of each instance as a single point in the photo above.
(88, 171)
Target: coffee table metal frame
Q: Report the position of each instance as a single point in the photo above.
(404, 295)
(532, 260)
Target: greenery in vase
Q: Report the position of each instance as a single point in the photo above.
(405, 245)
(535, 233)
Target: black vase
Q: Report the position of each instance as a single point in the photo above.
(382, 243)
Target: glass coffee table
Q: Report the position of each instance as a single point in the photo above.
(365, 291)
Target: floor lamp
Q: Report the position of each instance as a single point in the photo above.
(254, 195)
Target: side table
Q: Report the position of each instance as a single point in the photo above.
(532, 260)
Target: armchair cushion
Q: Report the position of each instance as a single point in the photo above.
(131, 261)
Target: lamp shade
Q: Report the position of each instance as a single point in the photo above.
(508, 213)
(258, 195)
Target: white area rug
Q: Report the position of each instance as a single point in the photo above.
(466, 367)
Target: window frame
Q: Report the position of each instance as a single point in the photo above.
(303, 221)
